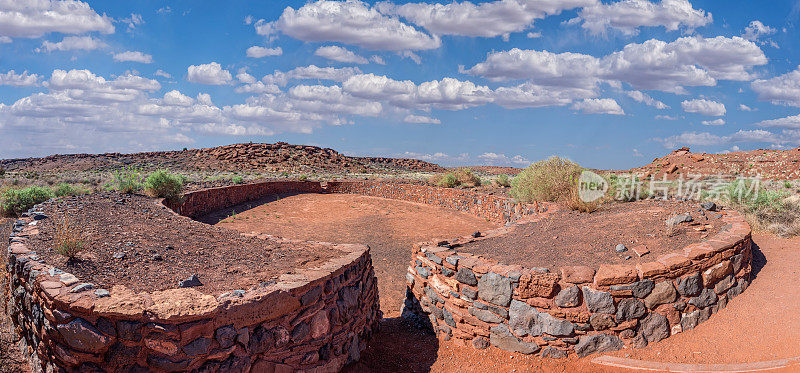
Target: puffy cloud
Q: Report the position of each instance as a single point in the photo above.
(133, 56)
(598, 106)
(162, 73)
(487, 19)
(211, 74)
(715, 122)
(654, 64)
(5, 40)
(640, 96)
(176, 98)
(260, 52)
(339, 54)
(665, 117)
(780, 90)
(447, 93)
(243, 77)
(741, 136)
(743, 107)
(541, 67)
(350, 22)
(787, 122)
(33, 19)
(627, 16)
(531, 95)
(704, 107)
(258, 87)
(377, 59)
(311, 72)
(69, 43)
(500, 159)
(86, 86)
(11, 78)
(421, 119)
(756, 30)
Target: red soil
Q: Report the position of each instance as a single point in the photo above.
(161, 248)
(770, 164)
(572, 238)
(388, 226)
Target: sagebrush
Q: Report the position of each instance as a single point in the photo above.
(17, 201)
(164, 184)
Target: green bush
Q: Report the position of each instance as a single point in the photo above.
(448, 181)
(503, 181)
(461, 177)
(237, 180)
(64, 189)
(550, 180)
(128, 179)
(17, 201)
(164, 184)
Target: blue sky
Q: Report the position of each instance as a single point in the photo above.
(609, 84)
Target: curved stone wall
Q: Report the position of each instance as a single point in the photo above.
(316, 319)
(478, 301)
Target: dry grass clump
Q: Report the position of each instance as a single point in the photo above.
(69, 240)
(552, 180)
(462, 177)
(503, 181)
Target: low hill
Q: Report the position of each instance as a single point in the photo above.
(770, 164)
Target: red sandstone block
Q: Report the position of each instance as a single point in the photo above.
(537, 285)
(640, 250)
(698, 251)
(539, 302)
(651, 269)
(717, 272)
(577, 274)
(611, 274)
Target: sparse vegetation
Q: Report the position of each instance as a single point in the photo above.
(64, 189)
(165, 184)
(69, 241)
(128, 179)
(237, 180)
(552, 180)
(17, 201)
(776, 211)
(462, 177)
(503, 181)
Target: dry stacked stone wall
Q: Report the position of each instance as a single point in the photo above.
(316, 319)
(577, 310)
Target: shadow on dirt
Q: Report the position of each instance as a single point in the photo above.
(758, 262)
(397, 346)
(220, 215)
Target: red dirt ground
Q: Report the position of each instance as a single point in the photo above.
(573, 238)
(162, 248)
(388, 226)
(770, 164)
(736, 334)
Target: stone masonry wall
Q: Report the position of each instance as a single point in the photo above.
(491, 207)
(317, 319)
(202, 202)
(582, 310)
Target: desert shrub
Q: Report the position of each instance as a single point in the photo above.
(467, 178)
(17, 201)
(460, 177)
(64, 189)
(787, 184)
(550, 180)
(69, 240)
(164, 184)
(2, 172)
(626, 189)
(128, 179)
(503, 181)
(302, 177)
(237, 180)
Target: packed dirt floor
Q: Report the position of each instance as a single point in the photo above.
(388, 226)
(754, 327)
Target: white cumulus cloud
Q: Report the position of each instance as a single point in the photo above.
(23, 79)
(133, 56)
(704, 107)
(640, 96)
(350, 22)
(260, 52)
(421, 119)
(211, 74)
(715, 122)
(780, 90)
(598, 106)
(339, 54)
(33, 19)
(786, 122)
(627, 16)
(69, 43)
